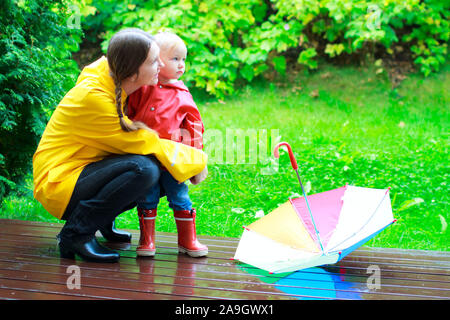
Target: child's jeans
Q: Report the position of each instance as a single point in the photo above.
(177, 194)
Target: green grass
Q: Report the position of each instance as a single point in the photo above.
(345, 125)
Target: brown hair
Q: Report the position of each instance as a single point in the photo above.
(127, 50)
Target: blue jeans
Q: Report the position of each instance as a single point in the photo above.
(177, 194)
(104, 190)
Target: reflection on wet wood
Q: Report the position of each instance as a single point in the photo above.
(30, 268)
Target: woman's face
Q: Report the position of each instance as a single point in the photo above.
(149, 70)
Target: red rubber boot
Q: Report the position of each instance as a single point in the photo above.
(146, 247)
(187, 237)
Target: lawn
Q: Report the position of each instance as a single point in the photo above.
(345, 125)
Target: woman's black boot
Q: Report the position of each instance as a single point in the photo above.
(110, 233)
(88, 250)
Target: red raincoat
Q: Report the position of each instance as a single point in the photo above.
(170, 110)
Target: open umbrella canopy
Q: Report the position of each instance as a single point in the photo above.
(315, 230)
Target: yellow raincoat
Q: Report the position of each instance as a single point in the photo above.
(85, 128)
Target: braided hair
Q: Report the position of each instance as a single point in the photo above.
(127, 50)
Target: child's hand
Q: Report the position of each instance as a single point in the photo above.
(200, 177)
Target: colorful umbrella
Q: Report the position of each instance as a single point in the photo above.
(314, 230)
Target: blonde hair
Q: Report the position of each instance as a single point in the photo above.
(167, 40)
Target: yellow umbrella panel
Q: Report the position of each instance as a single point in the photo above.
(289, 229)
(278, 241)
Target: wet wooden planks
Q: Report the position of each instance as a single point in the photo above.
(30, 268)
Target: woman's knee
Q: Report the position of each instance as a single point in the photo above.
(147, 169)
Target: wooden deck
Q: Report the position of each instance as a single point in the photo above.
(30, 268)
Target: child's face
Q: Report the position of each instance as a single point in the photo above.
(174, 62)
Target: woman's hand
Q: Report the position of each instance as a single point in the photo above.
(200, 177)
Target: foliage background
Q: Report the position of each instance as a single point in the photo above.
(232, 42)
(36, 70)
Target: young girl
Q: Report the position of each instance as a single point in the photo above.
(168, 108)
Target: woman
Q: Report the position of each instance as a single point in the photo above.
(92, 162)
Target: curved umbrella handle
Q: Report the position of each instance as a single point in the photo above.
(291, 154)
(295, 167)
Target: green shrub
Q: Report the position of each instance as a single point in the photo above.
(231, 42)
(419, 28)
(35, 72)
(212, 30)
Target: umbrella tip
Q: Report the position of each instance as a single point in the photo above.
(246, 228)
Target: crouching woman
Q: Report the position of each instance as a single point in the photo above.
(92, 162)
